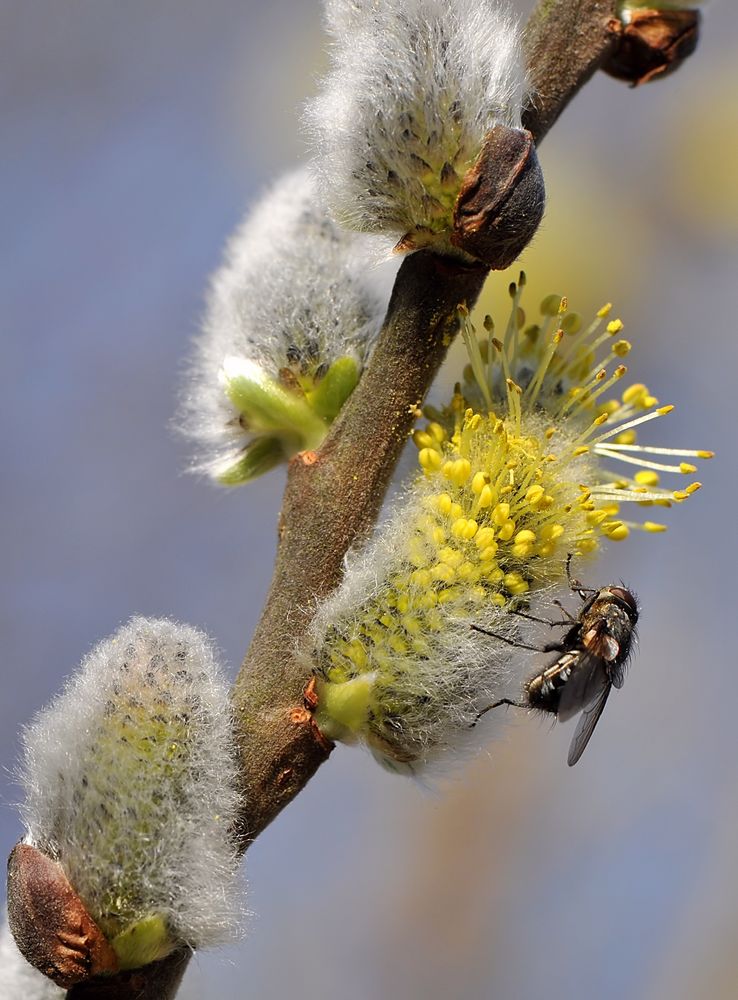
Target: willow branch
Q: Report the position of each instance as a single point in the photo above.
(333, 497)
(566, 42)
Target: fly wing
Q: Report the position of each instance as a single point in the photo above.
(588, 680)
(586, 725)
(617, 674)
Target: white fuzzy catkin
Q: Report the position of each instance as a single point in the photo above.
(18, 979)
(130, 779)
(295, 292)
(414, 88)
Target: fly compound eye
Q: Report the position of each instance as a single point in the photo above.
(625, 597)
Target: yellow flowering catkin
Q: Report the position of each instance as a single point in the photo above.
(513, 479)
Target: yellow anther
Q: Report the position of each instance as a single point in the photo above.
(397, 644)
(551, 532)
(705, 454)
(422, 439)
(648, 401)
(457, 528)
(479, 482)
(438, 535)
(437, 431)
(487, 497)
(417, 554)
(484, 537)
(686, 468)
(525, 536)
(451, 594)
(413, 626)
(680, 495)
(551, 305)
(619, 533)
(488, 553)
(456, 511)
(604, 311)
(467, 571)
(550, 433)
(461, 470)
(403, 603)
(430, 460)
(663, 410)
(611, 508)
(614, 326)
(506, 531)
(357, 654)
(693, 487)
(471, 528)
(634, 392)
(443, 503)
(581, 450)
(645, 477)
(443, 572)
(499, 600)
(627, 437)
(501, 513)
(534, 494)
(571, 323)
(620, 371)
(601, 374)
(522, 551)
(451, 557)
(587, 545)
(621, 348)
(596, 517)
(653, 526)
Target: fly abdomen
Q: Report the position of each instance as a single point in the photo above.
(544, 690)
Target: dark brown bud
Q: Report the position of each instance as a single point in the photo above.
(50, 924)
(653, 44)
(501, 201)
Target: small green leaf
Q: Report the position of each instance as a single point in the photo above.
(146, 941)
(334, 388)
(343, 708)
(259, 457)
(268, 406)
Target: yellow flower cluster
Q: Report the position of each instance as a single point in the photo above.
(513, 481)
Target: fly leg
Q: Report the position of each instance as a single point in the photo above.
(496, 704)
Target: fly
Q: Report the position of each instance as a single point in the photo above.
(593, 655)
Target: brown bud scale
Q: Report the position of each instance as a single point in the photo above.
(652, 44)
(501, 201)
(50, 924)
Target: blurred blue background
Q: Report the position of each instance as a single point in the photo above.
(133, 136)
